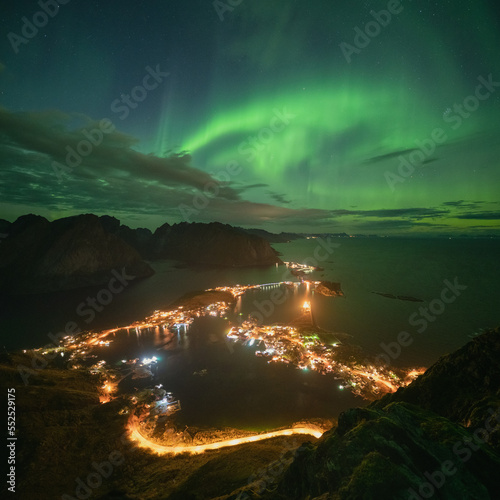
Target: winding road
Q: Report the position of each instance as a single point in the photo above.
(143, 442)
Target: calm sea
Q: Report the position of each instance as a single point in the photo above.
(458, 280)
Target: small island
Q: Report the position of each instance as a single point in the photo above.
(398, 297)
(329, 289)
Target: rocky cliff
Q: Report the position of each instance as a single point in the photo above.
(42, 256)
(212, 244)
(437, 438)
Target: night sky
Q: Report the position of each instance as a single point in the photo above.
(282, 115)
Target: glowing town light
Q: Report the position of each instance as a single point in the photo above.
(306, 306)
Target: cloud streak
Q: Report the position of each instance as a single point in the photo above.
(47, 135)
(115, 178)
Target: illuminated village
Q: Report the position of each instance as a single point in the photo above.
(300, 344)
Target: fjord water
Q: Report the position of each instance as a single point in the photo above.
(409, 267)
(420, 268)
(240, 389)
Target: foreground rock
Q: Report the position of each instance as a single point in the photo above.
(439, 438)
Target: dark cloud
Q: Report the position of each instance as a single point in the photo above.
(463, 204)
(480, 216)
(397, 154)
(262, 213)
(36, 140)
(388, 156)
(429, 160)
(391, 226)
(457, 203)
(279, 198)
(411, 213)
(115, 178)
(253, 186)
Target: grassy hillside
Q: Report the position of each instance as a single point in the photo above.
(62, 430)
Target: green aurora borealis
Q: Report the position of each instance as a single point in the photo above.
(265, 103)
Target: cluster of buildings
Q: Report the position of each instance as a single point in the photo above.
(304, 349)
(302, 268)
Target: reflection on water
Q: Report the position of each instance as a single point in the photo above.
(207, 313)
(275, 303)
(224, 384)
(241, 387)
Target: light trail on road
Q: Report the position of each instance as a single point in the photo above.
(143, 442)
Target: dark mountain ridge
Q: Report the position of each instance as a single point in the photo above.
(40, 256)
(272, 237)
(213, 244)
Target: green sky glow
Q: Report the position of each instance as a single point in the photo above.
(335, 163)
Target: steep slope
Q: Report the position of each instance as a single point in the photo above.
(4, 227)
(42, 256)
(460, 386)
(438, 438)
(212, 244)
(392, 453)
